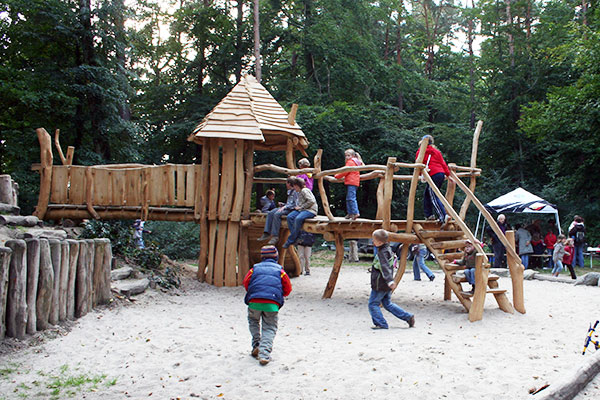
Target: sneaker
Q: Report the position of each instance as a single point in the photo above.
(274, 240)
(411, 322)
(254, 352)
(447, 219)
(348, 216)
(431, 278)
(431, 218)
(264, 361)
(286, 245)
(354, 216)
(307, 273)
(378, 327)
(264, 236)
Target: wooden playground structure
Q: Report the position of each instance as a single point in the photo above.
(216, 194)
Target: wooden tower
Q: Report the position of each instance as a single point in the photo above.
(246, 120)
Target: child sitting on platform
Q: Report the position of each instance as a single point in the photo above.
(267, 202)
(273, 222)
(468, 261)
(382, 284)
(306, 208)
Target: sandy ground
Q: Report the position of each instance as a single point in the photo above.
(196, 345)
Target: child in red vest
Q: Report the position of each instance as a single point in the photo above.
(352, 182)
(568, 257)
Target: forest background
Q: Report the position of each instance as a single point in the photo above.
(127, 81)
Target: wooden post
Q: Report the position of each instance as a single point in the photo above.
(410, 211)
(478, 301)
(16, 312)
(45, 286)
(5, 256)
(55, 253)
(201, 210)
(380, 189)
(89, 192)
(63, 280)
(388, 192)
(337, 264)
(33, 272)
(81, 288)
(292, 115)
(451, 188)
(101, 275)
(473, 180)
(91, 251)
(214, 180)
(73, 257)
(516, 275)
(45, 172)
(289, 154)
(322, 193)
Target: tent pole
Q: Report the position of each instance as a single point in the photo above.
(557, 222)
(477, 226)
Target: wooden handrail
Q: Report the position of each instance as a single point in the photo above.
(285, 171)
(371, 167)
(491, 221)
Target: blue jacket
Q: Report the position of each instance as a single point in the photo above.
(266, 282)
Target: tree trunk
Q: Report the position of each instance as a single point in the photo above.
(399, 62)
(238, 40)
(258, 61)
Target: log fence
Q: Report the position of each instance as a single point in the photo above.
(46, 281)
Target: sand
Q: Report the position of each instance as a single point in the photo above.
(196, 345)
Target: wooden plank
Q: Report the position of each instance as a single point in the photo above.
(388, 193)
(77, 185)
(227, 183)
(213, 198)
(449, 244)
(89, 191)
(219, 263)
(100, 192)
(118, 188)
(243, 254)
(248, 178)
(441, 234)
(170, 184)
(212, 240)
(481, 274)
(203, 256)
(180, 184)
(60, 177)
(190, 184)
(337, 264)
(157, 194)
(233, 232)
(238, 201)
(133, 187)
(201, 204)
(516, 275)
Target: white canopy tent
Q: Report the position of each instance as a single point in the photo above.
(519, 201)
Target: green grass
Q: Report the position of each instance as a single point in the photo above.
(8, 370)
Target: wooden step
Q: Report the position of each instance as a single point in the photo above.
(490, 291)
(441, 234)
(451, 256)
(460, 279)
(449, 244)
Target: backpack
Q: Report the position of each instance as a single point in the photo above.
(579, 237)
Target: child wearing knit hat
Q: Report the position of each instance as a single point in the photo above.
(266, 284)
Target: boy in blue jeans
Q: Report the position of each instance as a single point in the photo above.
(266, 284)
(382, 284)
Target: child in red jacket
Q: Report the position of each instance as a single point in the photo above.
(568, 257)
(352, 182)
(266, 284)
(438, 170)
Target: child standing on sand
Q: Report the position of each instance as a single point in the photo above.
(382, 284)
(267, 284)
(352, 182)
(558, 254)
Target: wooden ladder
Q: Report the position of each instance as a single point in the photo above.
(445, 246)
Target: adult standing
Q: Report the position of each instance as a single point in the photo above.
(497, 246)
(578, 235)
(550, 241)
(523, 239)
(438, 171)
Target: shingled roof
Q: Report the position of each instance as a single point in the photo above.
(249, 112)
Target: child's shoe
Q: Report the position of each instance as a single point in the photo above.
(264, 236)
(263, 361)
(274, 240)
(378, 327)
(431, 218)
(411, 322)
(254, 352)
(431, 278)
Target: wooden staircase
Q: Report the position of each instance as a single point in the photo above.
(446, 245)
